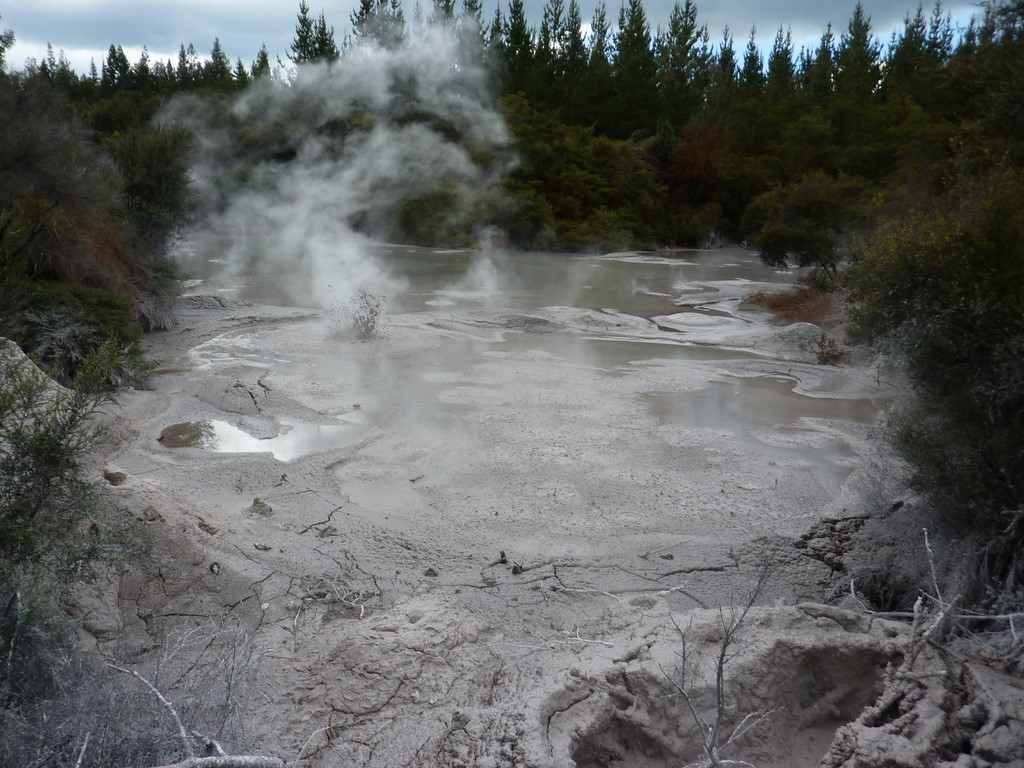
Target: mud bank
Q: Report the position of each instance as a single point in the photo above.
(481, 548)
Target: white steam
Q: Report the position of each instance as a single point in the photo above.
(338, 150)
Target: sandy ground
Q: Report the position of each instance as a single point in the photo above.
(497, 563)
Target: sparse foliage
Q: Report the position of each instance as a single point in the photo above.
(45, 434)
(721, 730)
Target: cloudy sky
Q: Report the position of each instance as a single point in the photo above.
(84, 29)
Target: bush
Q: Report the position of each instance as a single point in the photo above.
(59, 706)
(803, 223)
(155, 170)
(61, 325)
(943, 290)
(45, 434)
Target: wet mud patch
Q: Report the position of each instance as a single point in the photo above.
(740, 401)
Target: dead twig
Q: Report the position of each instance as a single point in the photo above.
(81, 752)
(233, 761)
(182, 733)
(713, 736)
(220, 760)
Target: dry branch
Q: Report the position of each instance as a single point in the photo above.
(186, 742)
(238, 761)
(713, 739)
(192, 761)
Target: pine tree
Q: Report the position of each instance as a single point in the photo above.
(518, 49)
(572, 58)
(116, 70)
(547, 57)
(240, 75)
(600, 86)
(940, 35)
(324, 47)
(781, 81)
(683, 65)
(188, 71)
(472, 15)
(821, 74)
(303, 47)
(724, 73)
(495, 42)
(142, 73)
(470, 30)
(858, 59)
(751, 84)
(381, 20)
(217, 70)
(635, 73)
(261, 66)
(443, 13)
(907, 56)
(6, 41)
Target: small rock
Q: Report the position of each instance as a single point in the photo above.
(260, 507)
(431, 573)
(327, 531)
(209, 528)
(215, 568)
(150, 515)
(114, 477)
(262, 547)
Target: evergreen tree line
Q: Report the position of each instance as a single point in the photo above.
(678, 138)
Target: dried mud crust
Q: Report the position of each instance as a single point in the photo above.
(830, 539)
(949, 711)
(391, 630)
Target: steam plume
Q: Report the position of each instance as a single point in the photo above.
(303, 172)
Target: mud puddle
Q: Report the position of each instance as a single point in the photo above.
(771, 419)
(294, 441)
(738, 402)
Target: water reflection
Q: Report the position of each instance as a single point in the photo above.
(739, 402)
(295, 439)
(638, 284)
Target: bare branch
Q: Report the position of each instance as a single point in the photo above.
(236, 761)
(186, 742)
(81, 752)
(712, 737)
(220, 760)
(931, 565)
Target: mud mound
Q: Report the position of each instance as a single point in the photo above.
(813, 668)
(949, 711)
(530, 324)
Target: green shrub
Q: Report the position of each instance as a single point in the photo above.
(155, 169)
(803, 223)
(45, 434)
(60, 325)
(944, 291)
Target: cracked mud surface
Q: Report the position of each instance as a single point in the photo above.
(488, 568)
